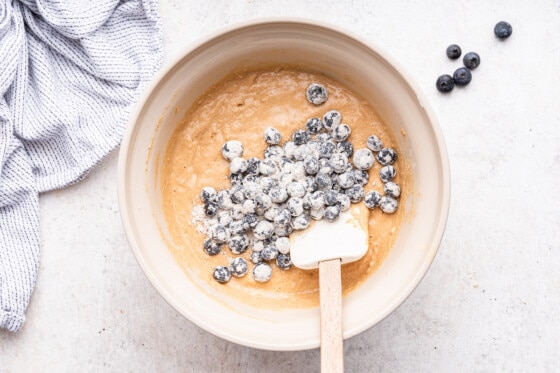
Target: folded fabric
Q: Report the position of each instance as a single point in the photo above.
(70, 71)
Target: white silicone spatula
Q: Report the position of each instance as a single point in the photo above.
(327, 245)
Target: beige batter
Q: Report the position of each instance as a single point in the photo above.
(239, 108)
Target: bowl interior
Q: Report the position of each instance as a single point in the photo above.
(352, 63)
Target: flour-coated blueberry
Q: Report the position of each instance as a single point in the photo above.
(387, 173)
(238, 267)
(372, 199)
(392, 189)
(314, 125)
(332, 119)
(284, 261)
(363, 159)
(212, 247)
(221, 274)
(262, 272)
(272, 136)
(374, 143)
(317, 93)
(388, 204)
(238, 243)
(232, 149)
(387, 156)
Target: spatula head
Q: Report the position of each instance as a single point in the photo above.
(345, 238)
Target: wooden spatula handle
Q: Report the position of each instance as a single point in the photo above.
(330, 292)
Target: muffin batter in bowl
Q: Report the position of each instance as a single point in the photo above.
(240, 107)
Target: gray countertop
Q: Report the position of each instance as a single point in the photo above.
(490, 300)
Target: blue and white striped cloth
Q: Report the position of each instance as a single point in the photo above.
(70, 71)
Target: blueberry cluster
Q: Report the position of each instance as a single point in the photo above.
(314, 175)
(463, 76)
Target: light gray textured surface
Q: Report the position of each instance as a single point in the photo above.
(491, 298)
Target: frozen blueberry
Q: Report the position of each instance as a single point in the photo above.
(207, 194)
(361, 176)
(331, 197)
(250, 221)
(345, 147)
(314, 125)
(236, 227)
(256, 257)
(238, 243)
(284, 261)
(300, 137)
(317, 199)
(219, 233)
(212, 247)
(462, 76)
(392, 189)
(453, 51)
(387, 173)
(326, 149)
(232, 149)
(223, 200)
(316, 93)
(263, 230)
(323, 180)
(343, 201)
(211, 209)
(339, 162)
(221, 274)
(387, 156)
(332, 212)
(300, 222)
(332, 119)
(295, 206)
(269, 251)
(471, 61)
(374, 143)
(311, 165)
(224, 218)
(346, 179)
(296, 189)
(272, 136)
(267, 167)
(388, 204)
(238, 267)
(317, 214)
(355, 193)
(363, 159)
(278, 194)
(262, 272)
(341, 132)
(283, 245)
(503, 30)
(445, 83)
(372, 199)
(238, 165)
(237, 194)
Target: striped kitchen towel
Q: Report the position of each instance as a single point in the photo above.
(70, 70)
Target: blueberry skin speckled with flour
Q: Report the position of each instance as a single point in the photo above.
(316, 94)
(262, 272)
(232, 149)
(221, 274)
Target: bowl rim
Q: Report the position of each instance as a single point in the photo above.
(189, 48)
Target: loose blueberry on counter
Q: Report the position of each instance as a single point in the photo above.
(355, 193)
(211, 209)
(345, 147)
(387, 156)
(387, 173)
(462, 76)
(238, 267)
(316, 93)
(471, 61)
(363, 159)
(332, 119)
(221, 274)
(283, 245)
(300, 222)
(453, 51)
(212, 247)
(238, 244)
(503, 30)
(284, 261)
(392, 189)
(341, 132)
(232, 149)
(332, 212)
(314, 125)
(445, 83)
(301, 137)
(388, 204)
(272, 136)
(372, 199)
(256, 257)
(262, 272)
(374, 143)
(208, 194)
